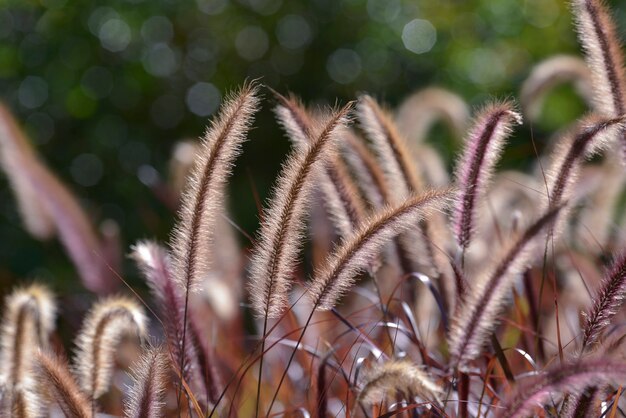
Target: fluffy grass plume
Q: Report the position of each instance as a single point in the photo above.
(398, 376)
(28, 320)
(55, 379)
(155, 264)
(356, 252)
(394, 155)
(589, 137)
(477, 316)
(341, 194)
(280, 238)
(603, 52)
(483, 148)
(105, 325)
(204, 194)
(572, 377)
(150, 377)
(606, 303)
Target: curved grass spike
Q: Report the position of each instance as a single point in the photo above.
(606, 302)
(340, 192)
(370, 177)
(571, 377)
(49, 208)
(105, 325)
(22, 403)
(155, 264)
(603, 53)
(476, 318)
(147, 395)
(205, 189)
(550, 73)
(422, 109)
(401, 376)
(483, 148)
(54, 377)
(395, 157)
(28, 320)
(279, 242)
(354, 253)
(569, 154)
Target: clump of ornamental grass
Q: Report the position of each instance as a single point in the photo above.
(378, 283)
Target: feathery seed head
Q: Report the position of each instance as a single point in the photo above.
(204, 194)
(28, 321)
(402, 376)
(149, 375)
(104, 327)
(275, 255)
(356, 252)
(483, 148)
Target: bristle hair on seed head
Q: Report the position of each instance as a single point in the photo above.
(147, 394)
(55, 379)
(392, 149)
(591, 135)
(341, 196)
(105, 325)
(398, 376)
(483, 148)
(571, 377)
(205, 190)
(154, 262)
(356, 252)
(28, 320)
(607, 301)
(281, 233)
(603, 53)
(477, 316)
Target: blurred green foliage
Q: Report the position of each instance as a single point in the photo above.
(105, 88)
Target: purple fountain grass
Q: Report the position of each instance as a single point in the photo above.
(398, 376)
(607, 301)
(568, 156)
(150, 377)
(280, 237)
(394, 155)
(477, 318)
(341, 194)
(571, 377)
(205, 191)
(355, 253)
(105, 325)
(54, 377)
(48, 207)
(155, 264)
(604, 56)
(483, 148)
(28, 320)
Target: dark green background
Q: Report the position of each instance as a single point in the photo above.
(101, 87)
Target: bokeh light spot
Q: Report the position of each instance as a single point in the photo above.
(203, 99)
(251, 43)
(419, 36)
(344, 66)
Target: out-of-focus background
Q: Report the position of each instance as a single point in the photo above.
(106, 88)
